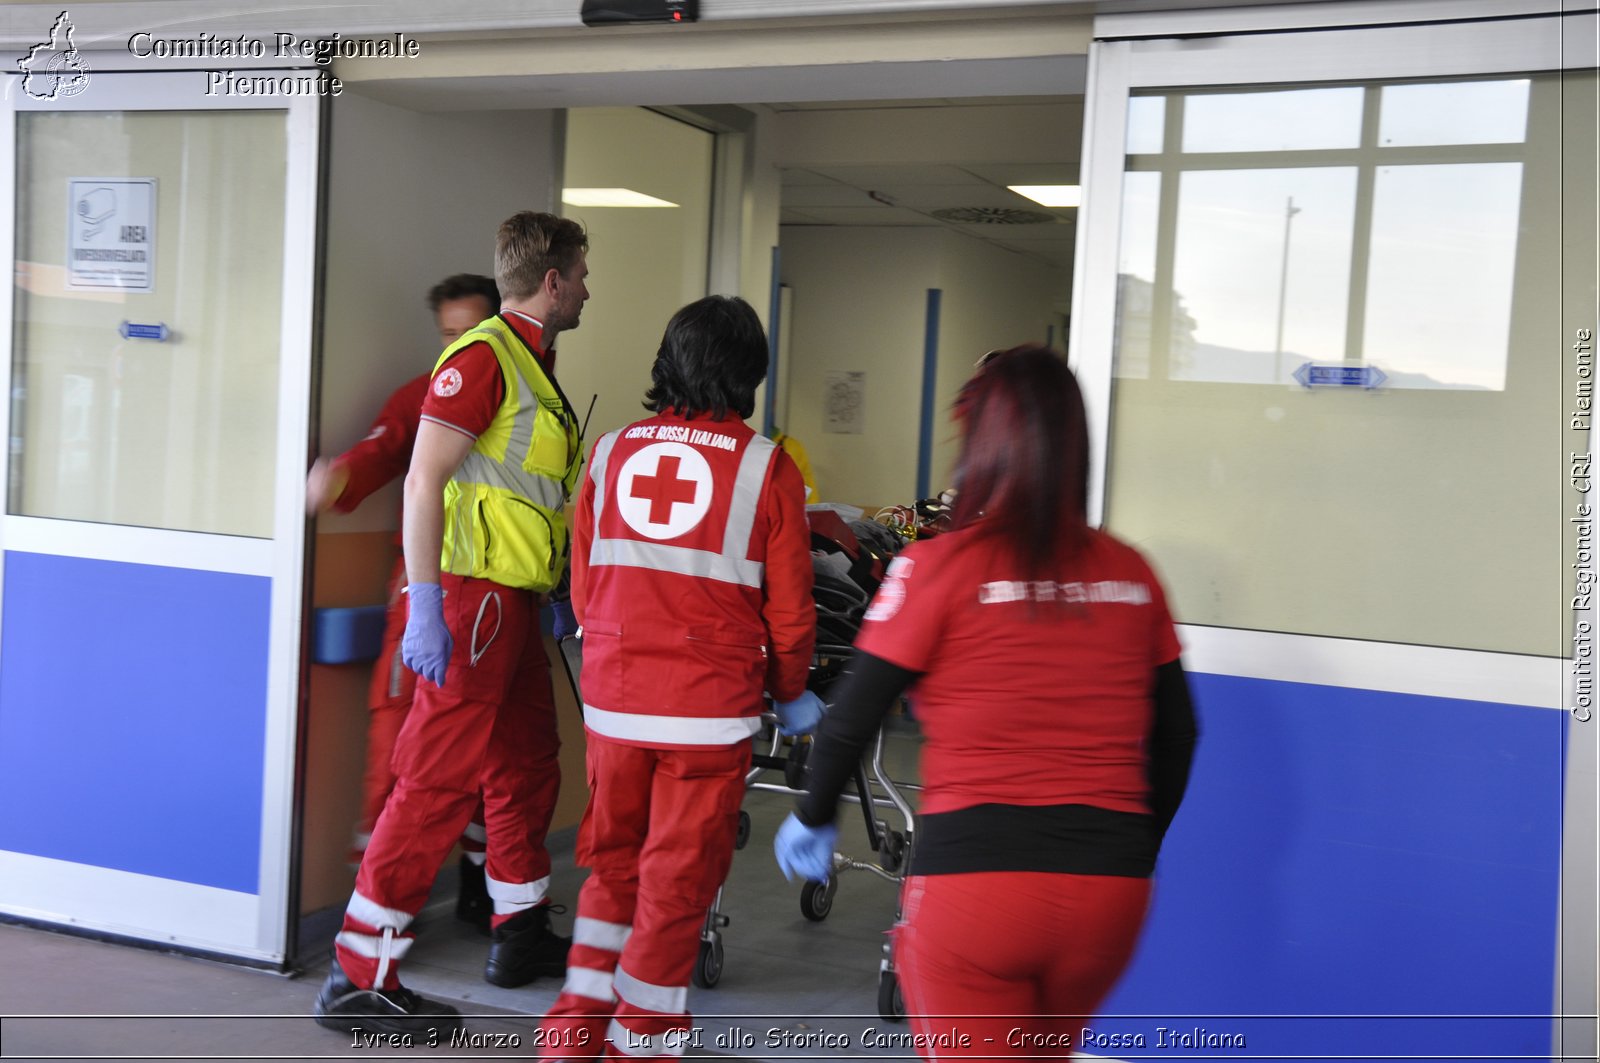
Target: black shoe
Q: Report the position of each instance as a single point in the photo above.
(472, 898)
(342, 1005)
(524, 947)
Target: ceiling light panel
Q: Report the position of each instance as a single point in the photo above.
(1050, 195)
(610, 197)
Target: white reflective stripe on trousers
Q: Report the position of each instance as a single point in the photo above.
(370, 946)
(511, 897)
(670, 730)
(665, 999)
(599, 934)
(590, 983)
(369, 912)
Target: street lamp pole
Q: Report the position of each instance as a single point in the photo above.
(1289, 211)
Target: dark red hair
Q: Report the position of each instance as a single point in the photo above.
(1024, 463)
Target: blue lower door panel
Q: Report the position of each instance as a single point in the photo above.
(1378, 871)
(132, 717)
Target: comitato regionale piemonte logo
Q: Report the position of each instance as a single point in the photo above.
(55, 69)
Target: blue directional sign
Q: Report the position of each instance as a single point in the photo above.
(130, 331)
(1340, 376)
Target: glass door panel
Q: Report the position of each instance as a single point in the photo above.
(159, 431)
(1383, 236)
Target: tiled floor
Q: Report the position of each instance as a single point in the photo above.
(790, 986)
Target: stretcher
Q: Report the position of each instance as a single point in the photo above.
(875, 792)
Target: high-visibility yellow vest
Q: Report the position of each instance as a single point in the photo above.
(503, 509)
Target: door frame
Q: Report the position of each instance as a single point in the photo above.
(253, 928)
(1342, 42)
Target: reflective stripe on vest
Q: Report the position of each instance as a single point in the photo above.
(731, 565)
(493, 480)
(480, 469)
(507, 471)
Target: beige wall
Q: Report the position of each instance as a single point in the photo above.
(644, 263)
(860, 303)
(403, 212)
(758, 229)
(992, 299)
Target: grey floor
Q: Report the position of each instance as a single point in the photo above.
(790, 986)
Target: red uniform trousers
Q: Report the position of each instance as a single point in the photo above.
(389, 699)
(1016, 960)
(490, 729)
(658, 839)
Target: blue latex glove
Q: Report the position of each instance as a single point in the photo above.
(800, 716)
(564, 624)
(426, 645)
(805, 851)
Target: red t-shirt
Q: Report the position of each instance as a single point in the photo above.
(1032, 692)
(468, 389)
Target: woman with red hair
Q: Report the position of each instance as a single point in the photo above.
(1058, 731)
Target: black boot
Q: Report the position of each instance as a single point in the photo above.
(524, 947)
(342, 1005)
(472, 898)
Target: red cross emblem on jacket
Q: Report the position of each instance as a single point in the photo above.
(664, 490)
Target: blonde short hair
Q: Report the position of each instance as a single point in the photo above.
(529, 245)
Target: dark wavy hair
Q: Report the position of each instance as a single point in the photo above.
(1024, 463)
(712, 358)
(464, 286)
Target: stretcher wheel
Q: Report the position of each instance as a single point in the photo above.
(816, 899)
(708, 965)
(794, 769)
(741, 836)
(893, 853)
(891, 1006)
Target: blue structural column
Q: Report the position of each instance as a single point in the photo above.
(774, 322)
(930, 377)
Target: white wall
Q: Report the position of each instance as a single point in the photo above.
(860, 303)
(406, 209)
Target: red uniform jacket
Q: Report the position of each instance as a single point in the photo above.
(385, 453)
(691, 577)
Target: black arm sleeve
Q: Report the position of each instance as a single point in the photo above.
(1172, 740)
(856, 709)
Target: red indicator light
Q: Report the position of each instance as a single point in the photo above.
(677, 16)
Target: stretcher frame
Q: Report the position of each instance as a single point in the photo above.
(875, 789)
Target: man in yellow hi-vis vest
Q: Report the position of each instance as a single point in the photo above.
(497, 454)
